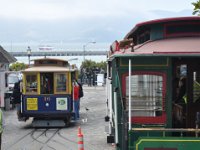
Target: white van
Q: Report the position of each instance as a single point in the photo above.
(11, 80)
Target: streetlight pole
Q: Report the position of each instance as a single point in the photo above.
(84, 46)
(29, 55)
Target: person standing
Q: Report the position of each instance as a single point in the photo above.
(17, 97)
(182, 95)
(76, 99)
(80, 93)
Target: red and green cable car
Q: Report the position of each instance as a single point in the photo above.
(154, 86)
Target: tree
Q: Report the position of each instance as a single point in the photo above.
(88, 64)
(102, 65)
(89, 69)
(196, 9)
(92, 64)
(17, 66)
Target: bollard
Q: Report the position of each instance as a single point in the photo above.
(80, 139)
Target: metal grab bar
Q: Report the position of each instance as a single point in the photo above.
(164, 130)
(167, 129)
(141, 109)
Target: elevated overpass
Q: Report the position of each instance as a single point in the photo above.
(59, 53)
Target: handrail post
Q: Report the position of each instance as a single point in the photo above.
(116, 117)
(129, 94)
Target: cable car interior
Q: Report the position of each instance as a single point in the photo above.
(186, 92)
(46, 85)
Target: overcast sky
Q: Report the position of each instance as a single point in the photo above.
(76, 9)
(75, 20)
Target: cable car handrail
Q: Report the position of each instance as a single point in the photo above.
(147, 101)
(140, 109)
(167, 129)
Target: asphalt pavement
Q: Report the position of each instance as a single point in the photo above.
(21, 136)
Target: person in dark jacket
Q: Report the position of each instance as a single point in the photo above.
(181, 98)
(16, 93)
(17, 97)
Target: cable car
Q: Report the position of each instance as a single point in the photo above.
(154, 86)
(47, 88)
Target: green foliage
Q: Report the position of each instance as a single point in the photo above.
(92, 64)
(17, 66)
(102, 65)
(196, 9)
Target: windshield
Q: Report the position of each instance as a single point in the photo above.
(12, 79)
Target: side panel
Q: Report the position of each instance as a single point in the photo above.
(120, 67)
(46, 105)
(167, 143)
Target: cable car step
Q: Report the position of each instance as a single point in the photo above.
(48, 123)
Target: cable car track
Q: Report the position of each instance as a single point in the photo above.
(17, 141)
(35, 139)
(45, 144)
(43, 133)
(61, 136)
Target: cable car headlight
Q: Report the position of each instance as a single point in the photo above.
(47, 104)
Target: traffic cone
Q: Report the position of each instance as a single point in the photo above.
(80, 139)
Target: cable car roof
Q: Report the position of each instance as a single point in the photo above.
(160, 21)
(49, 69)
(50, 59)
(169, 46)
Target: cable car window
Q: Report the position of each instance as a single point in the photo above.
(61, 82)
(196, 87)
(31, 83)
(143, 36)
(109, 69)
(147, 95)
(182, 29)
(46, 80)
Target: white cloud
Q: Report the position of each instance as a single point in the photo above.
(74, 9)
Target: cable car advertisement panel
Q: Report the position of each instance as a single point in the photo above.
(32, 104)
(61, 103)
